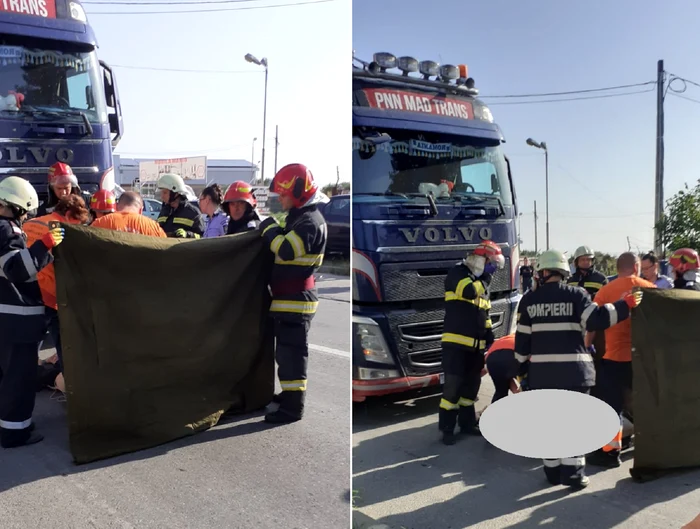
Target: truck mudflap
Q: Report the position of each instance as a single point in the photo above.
(361, 389)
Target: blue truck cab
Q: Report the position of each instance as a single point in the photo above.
(58, 102)
(430, 181)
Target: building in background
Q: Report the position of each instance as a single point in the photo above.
(140, 173)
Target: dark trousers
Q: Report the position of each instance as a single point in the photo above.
(18, 363)
(569, 470)
(502, 367)
(55, 332)
(462, 368)
(613, 381)
(292, 354)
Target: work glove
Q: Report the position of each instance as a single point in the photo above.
(633, 299)
(591, 349)
(180, 233)
(53, 237)
(490, 268)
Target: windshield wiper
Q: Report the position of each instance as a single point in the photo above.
(431, 201)
(384, 194)
(59, 113)
(480, 199)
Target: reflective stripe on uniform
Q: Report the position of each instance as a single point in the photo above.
(575, 357)
(447, 405)
(479, 302)
(489, 323)
(276, 243)
(463, 340)
(296, 243)
(293, 385)
(590, 284)
(162, 219)
(183, 221)
(522, 358)
(9, 255)
(273, 225)
(525, 329)
(551, 463)
(612, 311)
(464, 283)
(21, 311)
(547, 327)
(587, 313)
(299, 307)
(574, 461)
(465, 402)
(28, 262)
(11, 425)
(306, 260)
(615, 444)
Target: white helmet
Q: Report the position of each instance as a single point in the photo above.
(16, 191)
(553, 260)
(172, 182)
(584, 251)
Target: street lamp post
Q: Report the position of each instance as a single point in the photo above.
(252, 163)
(261, 62)
(543, 146)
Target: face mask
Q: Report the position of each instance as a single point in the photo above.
(490, 268)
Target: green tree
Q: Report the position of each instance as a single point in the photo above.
(680, 226)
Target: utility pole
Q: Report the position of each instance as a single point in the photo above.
(276, 144)
(659, 195)
(629, 246)
(535, 227)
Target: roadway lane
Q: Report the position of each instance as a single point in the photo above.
(240, 474)
(403, 476)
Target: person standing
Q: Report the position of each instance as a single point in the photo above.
(526, 274)
(466, 335)
(650, 272)
(22, 317)
(549, 344)
(686, 265)
(298, 250)
(61, 182)
(178, 217)
(241, 205)
(129, 217)
(210, 203)
(102, 203)
(586, 275)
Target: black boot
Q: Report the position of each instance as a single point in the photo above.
(579, 482)
(28, 437)
(291, 407)
(282, 417)
(277, 398)
(599, 458)
(468, 423)
(449, 438)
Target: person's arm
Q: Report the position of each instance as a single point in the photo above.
(293, 245)
(598, 316)
(523, 338)
(20, 264)
(470, 289)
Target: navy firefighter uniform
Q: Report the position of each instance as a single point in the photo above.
(467, 333)
(549, 344)
(298, 250)
(23, 323)
(589, 278)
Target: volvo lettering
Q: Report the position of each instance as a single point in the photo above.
(58, 101)
(430, 181)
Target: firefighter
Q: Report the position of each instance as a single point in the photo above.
(178, 217)
(466, 336)
(298, 250)
(549, 344)
(61, 182)
(102, 203)
(22, 318)
(586, 275)
(241, 206)
(684, 262)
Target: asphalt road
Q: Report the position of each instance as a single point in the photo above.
(240, 474)
(404, 477)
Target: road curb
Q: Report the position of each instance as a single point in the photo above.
(362, 521)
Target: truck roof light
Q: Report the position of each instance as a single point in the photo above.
(449, 72)
(77, 12)
(385, 60)
(428, 68)
(407, 65)
(463, 71)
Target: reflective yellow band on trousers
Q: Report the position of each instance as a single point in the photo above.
(463, 340)
(299, 307)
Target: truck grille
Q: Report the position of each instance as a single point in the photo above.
(427, 280)
(417, 336)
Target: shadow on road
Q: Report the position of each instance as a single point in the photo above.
(425, 481)
(52, 456)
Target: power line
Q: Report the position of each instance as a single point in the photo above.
(585, 91)
(674, 94)
(207, 10)
(571, 98)
(110, 3)
(185, 70)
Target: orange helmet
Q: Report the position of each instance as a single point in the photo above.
(61, 173)
(296, 181)
(103, 201)
(684, 259)
(240, 191)
(492, 252)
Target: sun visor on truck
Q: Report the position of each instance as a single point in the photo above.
(666, 392)
(160, 336)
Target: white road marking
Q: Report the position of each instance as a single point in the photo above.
(328, 350)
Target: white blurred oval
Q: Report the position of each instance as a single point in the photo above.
(549, 424)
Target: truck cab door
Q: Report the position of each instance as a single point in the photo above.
(116, 123)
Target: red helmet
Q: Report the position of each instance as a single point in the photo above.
(61, 173)
(492, 252)
(296, 181)
(103, 201)
(240, 191)
(684, 259)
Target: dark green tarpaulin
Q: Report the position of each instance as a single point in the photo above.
(666, 392)
(160, 336)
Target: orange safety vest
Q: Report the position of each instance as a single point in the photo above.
(506, 342)
(35, 230)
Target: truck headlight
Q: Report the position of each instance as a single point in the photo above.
(369, 339)
(365, 373)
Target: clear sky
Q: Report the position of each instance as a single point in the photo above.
(602, 151)
(171, 114)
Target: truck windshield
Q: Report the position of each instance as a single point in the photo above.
(390, 162)
(51, 84)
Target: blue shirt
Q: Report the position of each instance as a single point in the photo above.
(216, 225)
(663, 282)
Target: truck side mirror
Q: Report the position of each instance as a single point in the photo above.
(512, 188)
(116, 124)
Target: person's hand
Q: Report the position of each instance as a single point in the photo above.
(53, 238)
(180, 233)
(633, 299)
